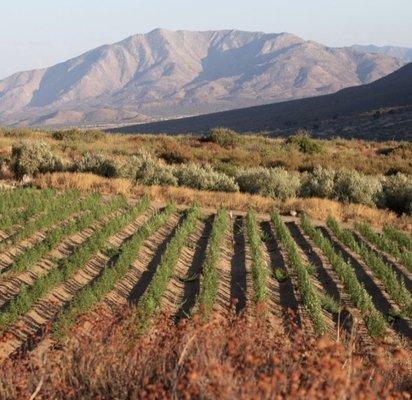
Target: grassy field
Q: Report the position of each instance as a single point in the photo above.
(110, 284)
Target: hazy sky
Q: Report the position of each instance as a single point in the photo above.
(37, 33)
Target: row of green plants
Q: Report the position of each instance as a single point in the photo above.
(20, 216)
(374, 320)
(59, 209)
(11, 199)
(17, 205)
(385, 244)
(395, 287)
(310, 296)
(67, 267)
(259, 266)
(210, 276)
(25, 208)
(91, 209)
(90, 295)
(401, 238)
(151, 299)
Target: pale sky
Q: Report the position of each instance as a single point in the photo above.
(39, 33)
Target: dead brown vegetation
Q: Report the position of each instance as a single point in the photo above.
(224, 358)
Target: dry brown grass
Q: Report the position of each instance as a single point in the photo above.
(224, 358)
(317, 209)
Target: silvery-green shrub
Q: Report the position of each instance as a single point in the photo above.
(204, 177)
(31, 158)
(273, 182)
(318, 183)
(353, 187)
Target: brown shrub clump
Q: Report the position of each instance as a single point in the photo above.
(224, 358)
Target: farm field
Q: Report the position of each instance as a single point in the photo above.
(126, 297)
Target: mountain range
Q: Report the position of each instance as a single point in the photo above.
(380, 110)
(165, 74)
(402, 53)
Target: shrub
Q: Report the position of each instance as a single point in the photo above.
(223, 137)
(273, 182)
(319, 183)
(78, 135)
(397, 193)
(15, 132)
(204, 178)
(304, 143)
(149, 171)
(31, 158)
(354, 187)
(97, 164)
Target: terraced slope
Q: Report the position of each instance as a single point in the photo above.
(136, 260)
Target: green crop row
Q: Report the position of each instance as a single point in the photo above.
(259, 267)
(395, 287)
(310, 296)
(12, 199)
(68, 266)
(90, 295)
(399, 237)
(153, 295)
(60, 208)
(96, 210)
(210, 280)
(386, 245)
(374, 320)
(36, 202)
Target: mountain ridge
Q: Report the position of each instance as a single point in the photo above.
(164, 74)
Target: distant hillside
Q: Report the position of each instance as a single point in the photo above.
(379, 110)
(165, 74)
(402, 53)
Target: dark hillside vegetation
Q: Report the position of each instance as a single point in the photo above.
(380, 110)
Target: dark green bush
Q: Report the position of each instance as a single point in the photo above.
(78, 135)
(304, 143)
(223, 137)
(96, 164)
(397, 193)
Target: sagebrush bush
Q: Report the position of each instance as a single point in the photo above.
(397, 193)
(141, 168)
(224, 137)
(353, 187)
(304, 143)
(273, 182)
(97, 164)
(318, 183)
(31, 158)
(204, 178)
(148, 170)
